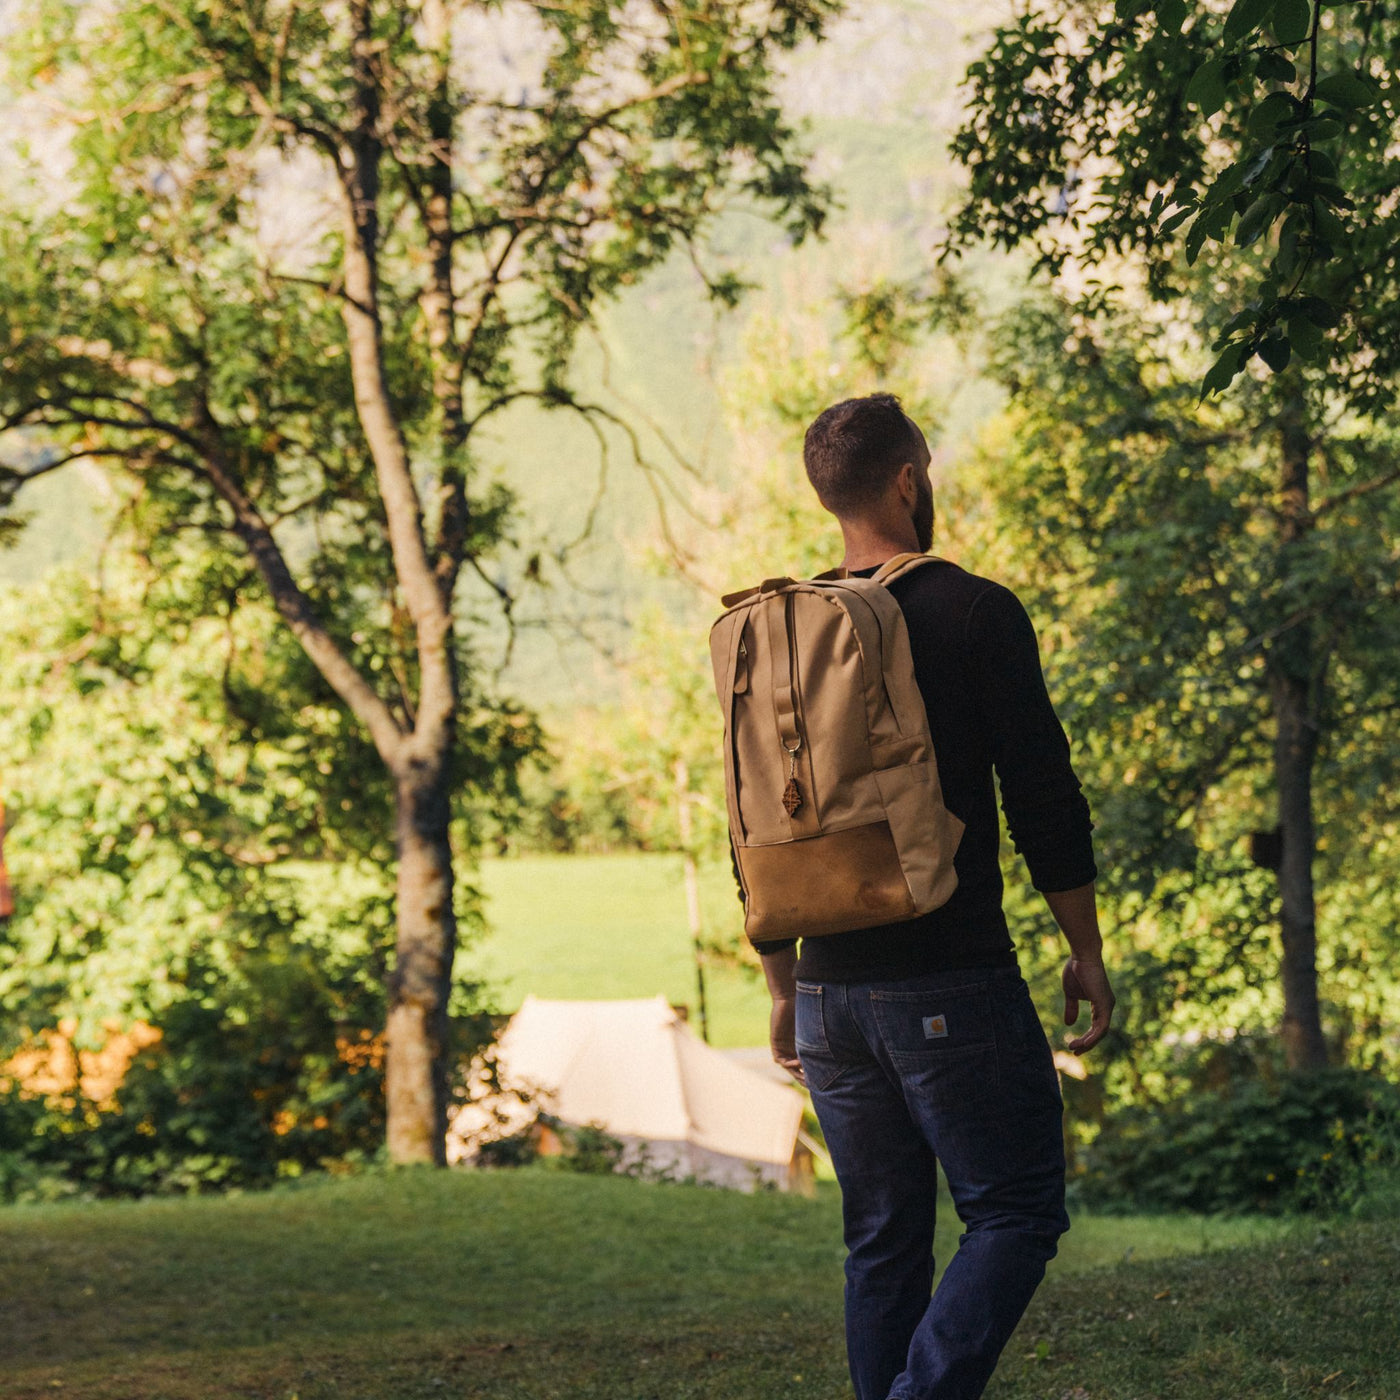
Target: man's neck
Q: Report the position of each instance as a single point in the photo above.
(868, 551)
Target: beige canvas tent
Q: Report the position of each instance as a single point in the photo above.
(635, 1069)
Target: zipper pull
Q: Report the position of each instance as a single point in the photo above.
(792, 794)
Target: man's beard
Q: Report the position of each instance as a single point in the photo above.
(923, 521)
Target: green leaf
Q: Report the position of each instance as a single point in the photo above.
(1292, 22)
(1176, 218)
(1228, 181)
(1319, 312)
(1238, 322)
(1258, 166)
(1196, 237)
(1275, 67)
(1347, 90)
(1219, 217)
(1286, 259)
(1223, 371)
(1245, 17)
(1304, 337)
(1326, 127)
(1256, 219)
(1275, 108)
(1331, 191)
(1321, 164)
(1329, 227)
(1206, 89)
(1276, 352)
(1171, 15)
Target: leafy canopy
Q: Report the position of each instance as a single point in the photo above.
(1258, 135)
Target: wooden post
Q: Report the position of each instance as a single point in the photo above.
(684, 799)
(7, 899)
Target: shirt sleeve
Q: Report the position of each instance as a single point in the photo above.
(1046, 811)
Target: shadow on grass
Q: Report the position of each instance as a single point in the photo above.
(791, 1358)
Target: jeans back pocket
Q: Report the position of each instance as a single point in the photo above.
(821, 1067)
(942, 1041)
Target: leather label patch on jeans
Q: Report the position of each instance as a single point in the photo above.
(935, 1027)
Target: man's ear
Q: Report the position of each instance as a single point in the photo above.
(908, 485)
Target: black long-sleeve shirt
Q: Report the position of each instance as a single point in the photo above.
(978, 666)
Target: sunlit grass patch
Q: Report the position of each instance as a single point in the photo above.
(604, 927)
(534, 1284)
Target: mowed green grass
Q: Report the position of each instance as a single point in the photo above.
(604, 927)
(535, 1285)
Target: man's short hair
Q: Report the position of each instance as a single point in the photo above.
(855, 449)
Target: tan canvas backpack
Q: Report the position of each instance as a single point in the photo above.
(835, 808)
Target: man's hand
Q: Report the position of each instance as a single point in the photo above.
(782, 1036)
(1085, 979)
(780, 973)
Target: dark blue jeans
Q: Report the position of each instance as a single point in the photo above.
(948, 1067)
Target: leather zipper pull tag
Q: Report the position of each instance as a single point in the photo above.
(792, 794)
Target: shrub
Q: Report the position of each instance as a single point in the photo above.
(217, 1101)
(589, 1148)
(518, 1150)
(1307, 1142)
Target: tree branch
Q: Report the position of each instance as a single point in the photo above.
(1353, 493)
(672, 85)
(300, 615)
(17, 479)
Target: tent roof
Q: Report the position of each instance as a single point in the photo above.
(636, 1069)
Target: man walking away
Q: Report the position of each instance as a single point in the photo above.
(918, 1040)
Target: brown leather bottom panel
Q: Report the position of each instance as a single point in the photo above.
(826, 884)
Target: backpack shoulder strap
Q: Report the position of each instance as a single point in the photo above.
(769, 585)
(890, 570)
(900, 565)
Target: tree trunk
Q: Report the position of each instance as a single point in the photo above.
(418, 1062)
(1295, 747)
(1294, 685)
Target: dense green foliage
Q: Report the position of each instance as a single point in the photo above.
(1140, 528)
(231, 1095)
(1263, 127)
(1270, 543)
(201, 834)
(299, 257)
(190, 858)
(1301, 1143)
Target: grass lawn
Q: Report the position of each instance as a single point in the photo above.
(535, 1285)
(611, 926)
